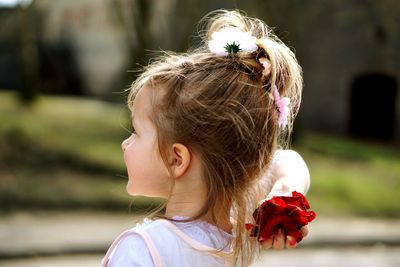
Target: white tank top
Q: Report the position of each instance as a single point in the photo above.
(169, 246)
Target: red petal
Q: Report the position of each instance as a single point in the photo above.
(288, 213)
(249, 226)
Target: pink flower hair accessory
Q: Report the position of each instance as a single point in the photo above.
(282, 105)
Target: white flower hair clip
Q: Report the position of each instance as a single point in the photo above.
(230, 40)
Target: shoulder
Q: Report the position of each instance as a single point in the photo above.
(131, 250)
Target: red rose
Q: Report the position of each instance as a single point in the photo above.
(287, 213)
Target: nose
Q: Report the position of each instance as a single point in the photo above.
(125, 143)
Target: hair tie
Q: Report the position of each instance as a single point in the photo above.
(282, 105)
(266, 65)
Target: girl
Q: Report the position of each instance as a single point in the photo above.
(207, 125)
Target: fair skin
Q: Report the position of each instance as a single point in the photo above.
(289, 173)
(146, 170)
(148, 174)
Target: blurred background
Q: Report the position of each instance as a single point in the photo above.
(64, 66)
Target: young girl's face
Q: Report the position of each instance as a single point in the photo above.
(147, 172)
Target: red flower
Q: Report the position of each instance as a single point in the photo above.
(287, 213)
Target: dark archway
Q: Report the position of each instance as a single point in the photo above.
(373, 106)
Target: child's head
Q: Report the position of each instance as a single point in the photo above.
(222, 108)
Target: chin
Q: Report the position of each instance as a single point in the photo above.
(136, 190)
(130, 188)
(133, 191)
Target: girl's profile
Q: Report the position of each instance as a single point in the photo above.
(209, 128)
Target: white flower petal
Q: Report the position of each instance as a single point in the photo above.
(229, 35)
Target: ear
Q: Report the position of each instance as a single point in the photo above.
(180, 160)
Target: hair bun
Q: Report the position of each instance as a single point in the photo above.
(220, 19)
(274, 61)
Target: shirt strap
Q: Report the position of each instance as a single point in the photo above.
(194, 243)
(147, 239)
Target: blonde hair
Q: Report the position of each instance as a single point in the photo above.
(221, 108)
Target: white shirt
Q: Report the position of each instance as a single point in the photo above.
(164, 243)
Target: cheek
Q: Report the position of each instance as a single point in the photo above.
(140, 156)
(130, 157)
(130, 153)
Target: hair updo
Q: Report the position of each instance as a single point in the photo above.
(221, 108)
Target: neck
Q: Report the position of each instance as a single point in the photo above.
(189, 197)
(181, 205)
(189, 209)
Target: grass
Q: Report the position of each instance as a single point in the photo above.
(85, 128)
(64, 153)
(351, 176)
